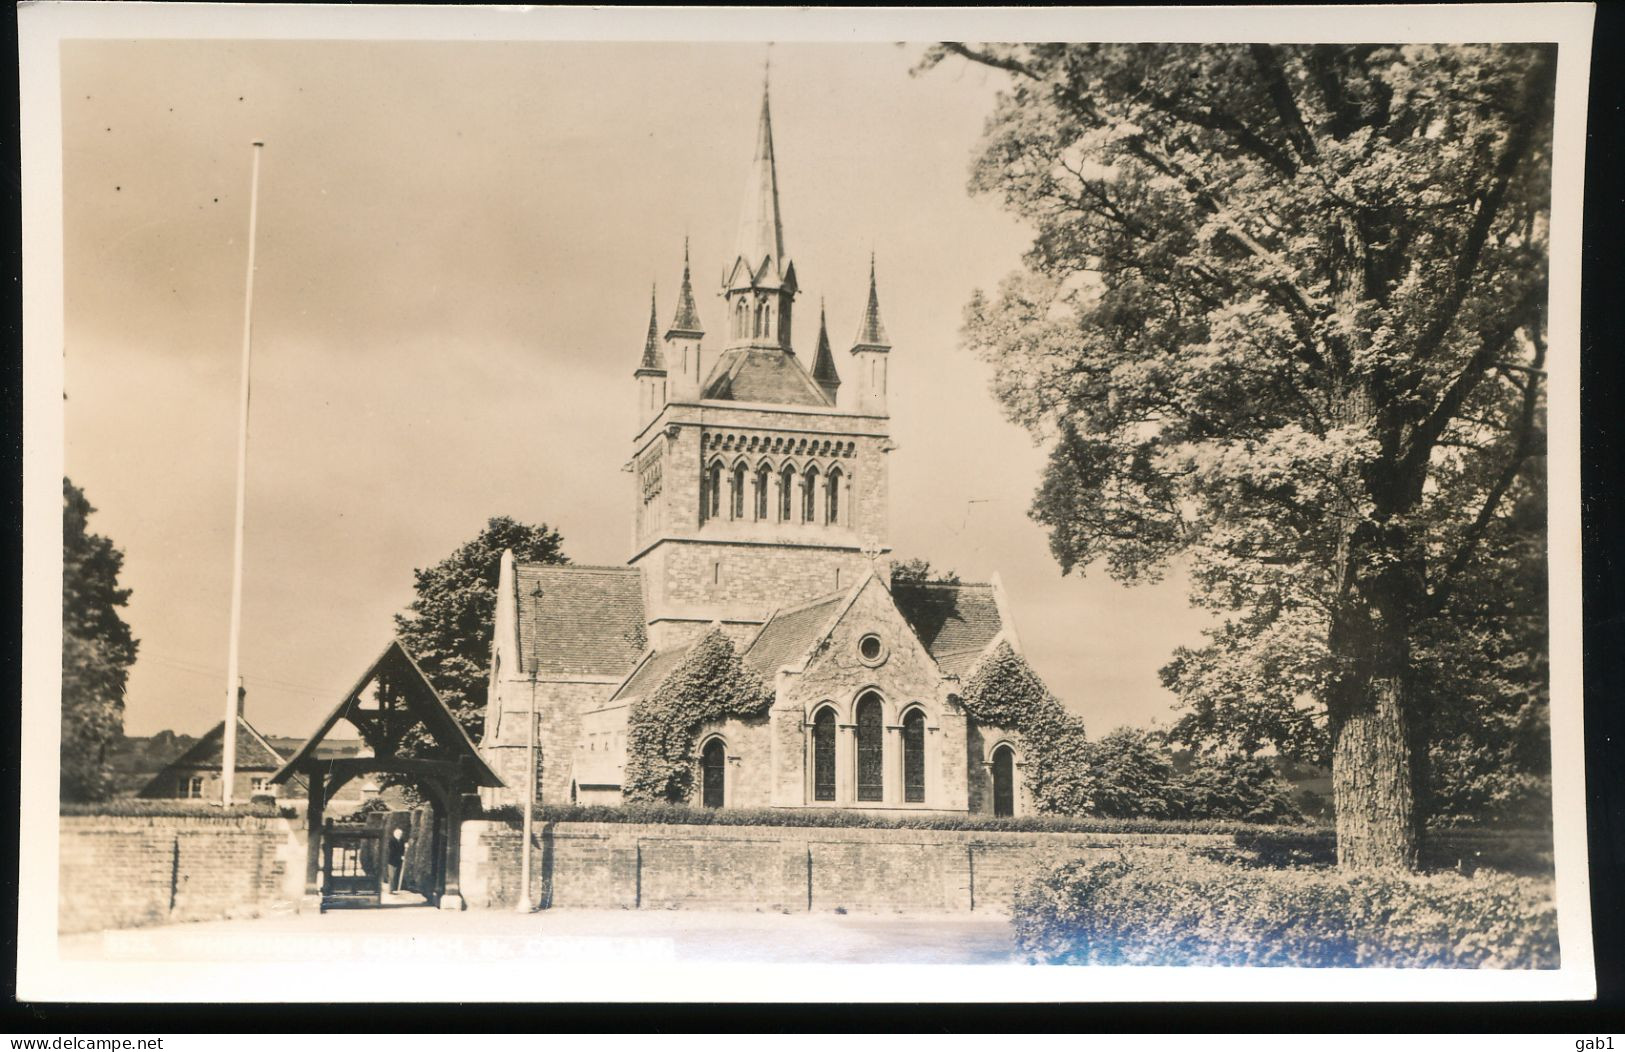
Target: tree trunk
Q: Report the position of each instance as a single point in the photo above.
(1376, 725)
(1373, 786)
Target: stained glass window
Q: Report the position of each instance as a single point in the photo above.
(914, 757)
(871, 750)
(824, 755)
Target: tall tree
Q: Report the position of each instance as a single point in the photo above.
(97, 651)
(1284, 314)
(448, 627)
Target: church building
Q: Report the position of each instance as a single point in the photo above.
(758, 506)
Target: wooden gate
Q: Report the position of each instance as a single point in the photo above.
(352, 865)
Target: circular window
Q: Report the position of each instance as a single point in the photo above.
(871, 649)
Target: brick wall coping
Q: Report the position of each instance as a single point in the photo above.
(256, 822)
(897, 835)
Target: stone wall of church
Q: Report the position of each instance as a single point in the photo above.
(750, 773)
(904, 675)
(558, 706)
(980, 741)
(586, 865)
(741, 578)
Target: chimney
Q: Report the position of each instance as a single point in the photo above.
(242, 696)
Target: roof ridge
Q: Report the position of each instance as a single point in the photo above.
(942, 584)
(827, 597)
(588, 567)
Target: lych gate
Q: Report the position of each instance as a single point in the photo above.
(415, 739)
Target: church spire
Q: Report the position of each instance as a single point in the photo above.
(761, 233)
(872, 333)
(653, 361)
(687, 320)
(824, 363)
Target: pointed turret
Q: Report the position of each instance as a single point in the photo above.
(872, 332)
(871, 348)
(687, 320)
(651, 371)
(683, 342)
(653, 361)
(824, 362)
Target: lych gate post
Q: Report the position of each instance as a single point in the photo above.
(314, 806)
(452, 897)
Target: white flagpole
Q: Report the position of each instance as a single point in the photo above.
(228, 744)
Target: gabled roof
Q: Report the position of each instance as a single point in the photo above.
(956, 622)
(790, 634)
(422, 704)
(580, 620)
(254, 753)
(751, 375)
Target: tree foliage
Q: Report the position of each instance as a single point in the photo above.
(1283, 316)
(448, 627)
(97, 651)
(920, 571)
(710, 684)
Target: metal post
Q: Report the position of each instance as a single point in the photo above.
(524, 905)
(228, 745)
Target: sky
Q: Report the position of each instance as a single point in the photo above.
(455, 248)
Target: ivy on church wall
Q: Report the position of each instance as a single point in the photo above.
(1004, 691)
(662, 729)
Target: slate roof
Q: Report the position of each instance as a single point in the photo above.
(824, 362)
(872, 332)
(956, 622)
(654, 361)
(650, 674)
(752, 375)
(687, 321)
(254, 753)
(787, 636)
(580, 620)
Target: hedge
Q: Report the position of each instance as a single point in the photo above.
(1134, 910)
(670, 814)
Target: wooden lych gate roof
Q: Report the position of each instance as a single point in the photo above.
(419, 703)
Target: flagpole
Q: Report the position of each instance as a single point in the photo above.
(228, 744)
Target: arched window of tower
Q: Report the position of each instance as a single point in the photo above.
(809, 495)
(737, 509)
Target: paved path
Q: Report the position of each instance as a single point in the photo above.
(582, 935)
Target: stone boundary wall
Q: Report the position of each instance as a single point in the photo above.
(129, 871)
(776, 868)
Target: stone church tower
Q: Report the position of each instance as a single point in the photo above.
(757, 483)
(759, 505)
